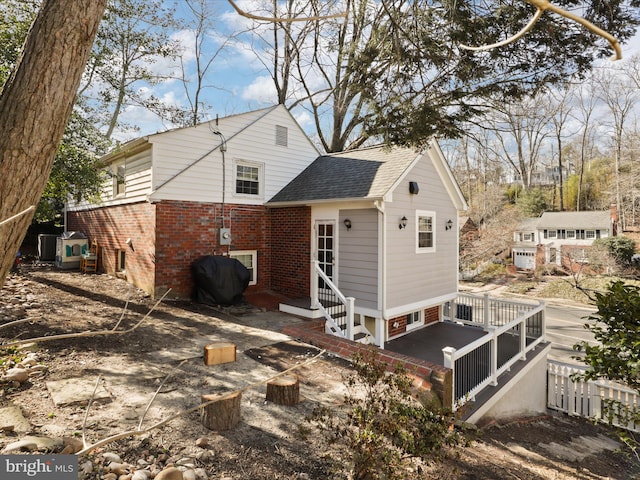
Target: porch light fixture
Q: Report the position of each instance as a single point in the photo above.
(448, 225)
(403, 223)
(347, 223)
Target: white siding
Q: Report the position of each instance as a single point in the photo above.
(416, 280)
(137, 182)
(178, 175)
(358, 256)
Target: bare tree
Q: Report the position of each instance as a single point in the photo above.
(34, 107)
(620, 95)
(561, 107)
(521, 130)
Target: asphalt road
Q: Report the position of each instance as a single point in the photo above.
(565, 328)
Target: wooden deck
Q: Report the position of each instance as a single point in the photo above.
(427, 343)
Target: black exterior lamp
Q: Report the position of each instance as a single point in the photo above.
(403, 223)
(347, 223)
(448, 225)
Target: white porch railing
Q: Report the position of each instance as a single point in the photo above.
(600, 400)
(337, 309)
(513, 329)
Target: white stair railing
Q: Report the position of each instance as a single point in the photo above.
(337, 309)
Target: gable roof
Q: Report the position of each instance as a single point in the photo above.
(368, 173)
(364, 174)
(600, 219)
(572, 220)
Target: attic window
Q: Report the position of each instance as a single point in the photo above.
(282, 136)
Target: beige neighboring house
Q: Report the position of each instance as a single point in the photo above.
(554, 237)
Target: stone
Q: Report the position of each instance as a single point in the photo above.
(118, 468)
(110, 476)
(74, 443)
(170, 473)
(76, 390)
(11, 419)
(202, 442)
(141, 475)
(86, 467)
(16, 375)
(189, 474)
(111, 457)
(201, 473)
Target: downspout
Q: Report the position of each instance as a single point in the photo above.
(382, 289)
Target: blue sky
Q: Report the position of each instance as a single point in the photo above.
(239, 81)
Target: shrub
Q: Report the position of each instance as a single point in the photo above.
(386, 431)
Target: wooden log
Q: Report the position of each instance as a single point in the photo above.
(217, 353)
(223, 413)
(284, 390)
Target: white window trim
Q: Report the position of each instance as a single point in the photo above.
(120, 256)
(590, 234)
(549, 233)
(114, 175)
(254, 261)
(418, 324)
(246, 163)
(425, 213)
(570, 234)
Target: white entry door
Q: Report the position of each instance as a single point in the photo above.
(325, 244)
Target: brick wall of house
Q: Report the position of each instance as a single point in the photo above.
(431, 315)
(111, 227)
(185, 231)
(291, 255)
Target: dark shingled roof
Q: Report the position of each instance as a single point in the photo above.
(358, 174)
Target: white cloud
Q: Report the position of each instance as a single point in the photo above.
(260, 90)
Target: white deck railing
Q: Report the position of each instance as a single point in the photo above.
(600, 400)
(513, 329)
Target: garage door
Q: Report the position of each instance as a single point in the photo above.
(525, 260)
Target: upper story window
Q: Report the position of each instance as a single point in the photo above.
(571, 234)
(248, 179)
(119, 174)
(527, 237)
(590, 234)
(552, 233)
(282, 136)
(425, 228)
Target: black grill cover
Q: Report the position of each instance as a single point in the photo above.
(219, 280)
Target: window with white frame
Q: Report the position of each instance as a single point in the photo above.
(119, 173)
(425, 231)
(552, 234)
(248, 179)
(590, 234)
(248, 258)
(527, 237)
(571, 234)
(414, 319)
(121, 259)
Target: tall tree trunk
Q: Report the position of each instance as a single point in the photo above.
(34, 108)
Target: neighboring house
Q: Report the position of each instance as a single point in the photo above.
(380, 224)
(560, 238)
(468, 230)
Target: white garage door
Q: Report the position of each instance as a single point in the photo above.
(525, 260)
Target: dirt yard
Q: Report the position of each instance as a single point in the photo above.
(271, 441)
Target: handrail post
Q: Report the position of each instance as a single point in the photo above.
(314, 285)
(487, 322)
(494, 356)
(449, 362)
(523, 338)
(350, 306)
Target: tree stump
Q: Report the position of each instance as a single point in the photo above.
(223, 413)
(217, 353)
(284, 390)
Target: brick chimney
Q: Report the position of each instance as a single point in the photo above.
(613, 211)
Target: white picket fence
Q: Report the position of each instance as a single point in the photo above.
(600, 400)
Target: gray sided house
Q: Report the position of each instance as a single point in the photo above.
(560, 238)
(384, 234)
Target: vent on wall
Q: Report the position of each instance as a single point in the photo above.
(282, 135)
